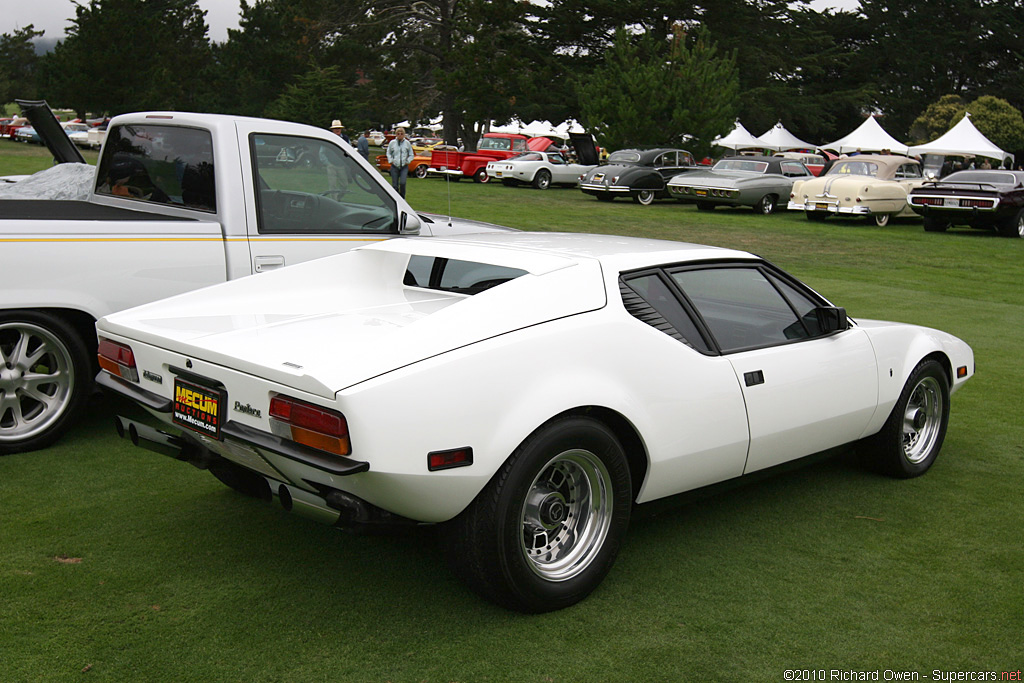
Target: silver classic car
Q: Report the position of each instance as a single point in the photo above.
(760, 182)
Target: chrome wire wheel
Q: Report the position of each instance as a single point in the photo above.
(922, 420)
(566, 515)
(36, 380)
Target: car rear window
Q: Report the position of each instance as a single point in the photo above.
(629, 157)
(456, 276)
(159, 164)
(741, 165)
(975, 177)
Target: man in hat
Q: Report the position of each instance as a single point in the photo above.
(339, 130)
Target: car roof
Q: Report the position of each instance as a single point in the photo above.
(540, 252)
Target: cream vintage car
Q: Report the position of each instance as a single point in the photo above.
(870, 185)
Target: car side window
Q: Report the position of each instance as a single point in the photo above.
(556, 159)
(665, 160)
(667, 314)
(307, 185)
(740, 306)
(170, 165)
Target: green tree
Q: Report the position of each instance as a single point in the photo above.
(999, 121)
(18, 63)
(130, 55)
(937, 118)
(315, 98)
(461, 58)
(918, 50)
(274, 45)
(649, 92)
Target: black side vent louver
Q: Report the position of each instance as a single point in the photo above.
(644, 312)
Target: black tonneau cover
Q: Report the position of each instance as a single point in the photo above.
(65, 210)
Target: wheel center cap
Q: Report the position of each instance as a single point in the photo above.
(553, 510)
(920, 420)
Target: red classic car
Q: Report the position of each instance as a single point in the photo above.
(492, 147)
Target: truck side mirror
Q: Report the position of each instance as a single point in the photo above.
(409, 224)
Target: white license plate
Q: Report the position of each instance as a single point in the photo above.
(951, 203)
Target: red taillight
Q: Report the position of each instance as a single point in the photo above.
(117, 359)
(309, 425)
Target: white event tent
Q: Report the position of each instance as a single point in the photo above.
(780, 139)
(963, 139)
(739, 138)
(868, 137)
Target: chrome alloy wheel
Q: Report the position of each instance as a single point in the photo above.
(36, 379)
(922, 420)
(566, 515)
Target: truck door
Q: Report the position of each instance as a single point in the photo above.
(311, 199)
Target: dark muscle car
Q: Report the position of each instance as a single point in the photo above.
(642, 174)
(986, 199)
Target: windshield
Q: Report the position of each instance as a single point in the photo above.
(852, 167)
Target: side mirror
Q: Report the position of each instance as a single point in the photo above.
(831, 319)
(409, 224)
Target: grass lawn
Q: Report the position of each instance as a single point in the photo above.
(117, 564)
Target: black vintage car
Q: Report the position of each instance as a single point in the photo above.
(642, 174)
(986, 199)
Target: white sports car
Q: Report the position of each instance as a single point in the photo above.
(540, 169)
(524, 389)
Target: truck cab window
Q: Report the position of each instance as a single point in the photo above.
(159, 164)
(309, 185)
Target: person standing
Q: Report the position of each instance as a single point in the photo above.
(363, 145)
(339, 130)
(400, 155)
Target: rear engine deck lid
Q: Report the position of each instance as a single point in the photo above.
(325, 325)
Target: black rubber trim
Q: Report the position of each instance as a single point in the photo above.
(332, 464)
(71, 210)
(105, 380)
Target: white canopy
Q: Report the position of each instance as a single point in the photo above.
(739, 138)
(780, 139)
(962, 139)
(868, 137)
(538, 129)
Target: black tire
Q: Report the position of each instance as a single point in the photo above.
(766, 205)
(705, 206)
(911, 438)
(542, 180)
(1014, 227)
(481, 176)
(421, 171)
(932, 224)
(816, 216)
(533, 540)
(881, 219)
(243, 481)
(36, 347)
(644, 197)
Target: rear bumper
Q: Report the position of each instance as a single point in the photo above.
(830, 208)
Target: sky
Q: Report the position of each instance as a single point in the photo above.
(53, 16)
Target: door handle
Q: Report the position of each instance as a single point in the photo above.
(753, 378)
(265, 263)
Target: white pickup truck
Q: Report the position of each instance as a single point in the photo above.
(178, 201)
